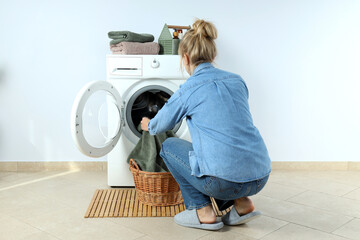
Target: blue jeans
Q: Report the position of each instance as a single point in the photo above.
(196, 191)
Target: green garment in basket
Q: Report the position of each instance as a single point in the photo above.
(127, 36)
(147, 151)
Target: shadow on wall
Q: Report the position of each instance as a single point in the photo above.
(1, 139)
(2, 81)
(2, 76)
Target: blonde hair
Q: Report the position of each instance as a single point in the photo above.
(198, 43)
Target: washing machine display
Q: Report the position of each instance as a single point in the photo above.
(106, 114)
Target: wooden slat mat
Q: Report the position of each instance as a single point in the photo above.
(122, 202)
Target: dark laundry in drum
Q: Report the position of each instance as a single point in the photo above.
(148, 104)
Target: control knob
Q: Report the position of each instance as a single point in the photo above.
(155, 63)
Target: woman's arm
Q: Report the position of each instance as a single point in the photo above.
(169, 115)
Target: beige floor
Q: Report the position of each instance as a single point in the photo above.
(295, 205)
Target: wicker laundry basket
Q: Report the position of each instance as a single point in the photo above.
(155, 188)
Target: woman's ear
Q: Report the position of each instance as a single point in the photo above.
(186, 59)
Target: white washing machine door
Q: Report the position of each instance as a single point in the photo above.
(97, 118)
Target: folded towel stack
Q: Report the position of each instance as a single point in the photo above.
(126, 42)
(135, 48)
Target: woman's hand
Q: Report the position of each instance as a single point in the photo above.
(145, 123)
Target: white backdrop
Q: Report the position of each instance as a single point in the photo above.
(300, 59)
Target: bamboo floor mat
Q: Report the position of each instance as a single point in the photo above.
(122, 202)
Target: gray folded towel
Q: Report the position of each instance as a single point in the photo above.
(127, 36)
(135, 48)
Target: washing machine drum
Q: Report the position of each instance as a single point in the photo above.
(148, 105)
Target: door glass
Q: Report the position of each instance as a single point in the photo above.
(101, 119)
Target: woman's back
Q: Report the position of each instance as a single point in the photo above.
(225, 141)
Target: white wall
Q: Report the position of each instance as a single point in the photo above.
(299, 58)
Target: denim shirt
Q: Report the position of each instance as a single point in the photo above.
(225, 141)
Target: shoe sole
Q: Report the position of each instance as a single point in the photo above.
(212, 227)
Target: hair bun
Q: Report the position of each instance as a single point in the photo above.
(204, 29)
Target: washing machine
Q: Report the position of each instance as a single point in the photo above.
(106, 114)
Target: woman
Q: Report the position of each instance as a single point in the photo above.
(227, 159)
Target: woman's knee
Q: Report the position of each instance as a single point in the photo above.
(176, 148)
(169, 142)
(173, 144)
(167, 145)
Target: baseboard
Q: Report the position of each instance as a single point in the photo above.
(102, 166)
(51, 166)
(316, 166)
